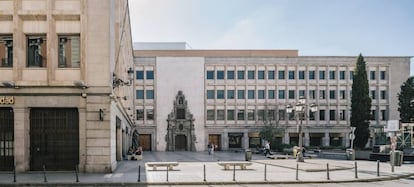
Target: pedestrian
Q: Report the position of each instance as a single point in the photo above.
(209, 147)
(267, 148)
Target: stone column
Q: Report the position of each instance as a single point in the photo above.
(21, 139)
(225, 140)
(326, 139)
(286, 138)
(245, 139)
(345, 140)
(306, 139)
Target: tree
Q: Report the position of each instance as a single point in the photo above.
(360, 104)
(271, 130)
(406, 101)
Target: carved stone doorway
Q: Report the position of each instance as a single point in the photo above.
(180, 131)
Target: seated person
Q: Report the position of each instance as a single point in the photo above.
(138, 151)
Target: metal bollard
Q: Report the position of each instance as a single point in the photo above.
(139, 173)
(76, 173)
(204, 169)
(14, 173)
(265, 172)
(378, 167)
(44, 173)
(234, 172)
(167, 173)
(297, 171)
(356, 170)
(327, 171)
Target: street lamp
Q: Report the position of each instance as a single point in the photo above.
(301, 109)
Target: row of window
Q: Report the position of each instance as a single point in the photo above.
(149, 75)
(144, 94)
(68, 51)
(270, 94)
(262, 115)
(149, 114)
(281, 75)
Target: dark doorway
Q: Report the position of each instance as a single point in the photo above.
(145, 142)
(54, 138)
(6, 139)
(180, 143)
(235, 140)
(216, 140)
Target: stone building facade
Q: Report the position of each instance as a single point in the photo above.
(64, 75)
(233, 94)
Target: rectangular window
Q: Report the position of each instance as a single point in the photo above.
(240, 75)
(240, 94)
(230, 114)
(291, 115)
(311, 115)
(342, 115)
(332, 94)
(332, 116)
(220, 75)
(220, 94)
(282, 114)
(6, 51)
(281, 75)
(382, 75)
(342, 75)
(140, 94)
(373, 94)
(271, 94)
(69, 52)
(220, 114)
(351, 75)
(332, 75)
(140, 114)
(250, 94)
(291, 75)
(261, 94)
(271, 75)
(383, 94)
(281, 94)
(210, 75)
(301, 93)
(301, 75)
(291, 94)
(321, 75)
(261, 115)
(36, 51)
(250, 75)
(150, 94)
(150, 114)
(230, 94)
(240, 115)
(383, 115)
(322, 94)
(312, 75)
(150, 75)
(372, 75)
(210, 115)
(140, 75)
(342, 94)
(373, 114)
(210, 94)
(260, 75)
(322, 115)
(230, 75)
(312, 94)
(250, 115)
(271, 115)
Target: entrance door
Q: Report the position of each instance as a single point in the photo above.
(6, 139)
(145, 142)
(54, 139)
(180, 143)
(216, 140)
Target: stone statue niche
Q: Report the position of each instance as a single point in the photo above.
(180, 131)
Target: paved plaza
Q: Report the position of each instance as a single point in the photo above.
(190, 171)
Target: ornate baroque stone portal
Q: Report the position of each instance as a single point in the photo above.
(180, 131)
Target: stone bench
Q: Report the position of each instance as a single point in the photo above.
(169, 165)
(241, 164)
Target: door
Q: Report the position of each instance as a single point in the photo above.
(6, 139)
(216, 140)
(180, 143)
(145, 142)
(54, 139)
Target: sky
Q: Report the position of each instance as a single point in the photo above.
(314, 27)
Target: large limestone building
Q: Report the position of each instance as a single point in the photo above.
(65, 93)
(188, 98)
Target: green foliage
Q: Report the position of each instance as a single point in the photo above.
(405, 101)
(271, 134)
(361, 104)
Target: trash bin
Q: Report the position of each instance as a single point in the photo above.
(295, 150)
(396, 158)
(248, 154)
(350, 154)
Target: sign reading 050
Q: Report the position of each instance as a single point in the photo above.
(6, 100)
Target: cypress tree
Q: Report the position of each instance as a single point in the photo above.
(406, 101)
(360, 104)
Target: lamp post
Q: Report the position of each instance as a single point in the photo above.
(301, 110)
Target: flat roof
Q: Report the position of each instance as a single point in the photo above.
(216, 53)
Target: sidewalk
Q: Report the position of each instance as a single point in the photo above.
(191, 171)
